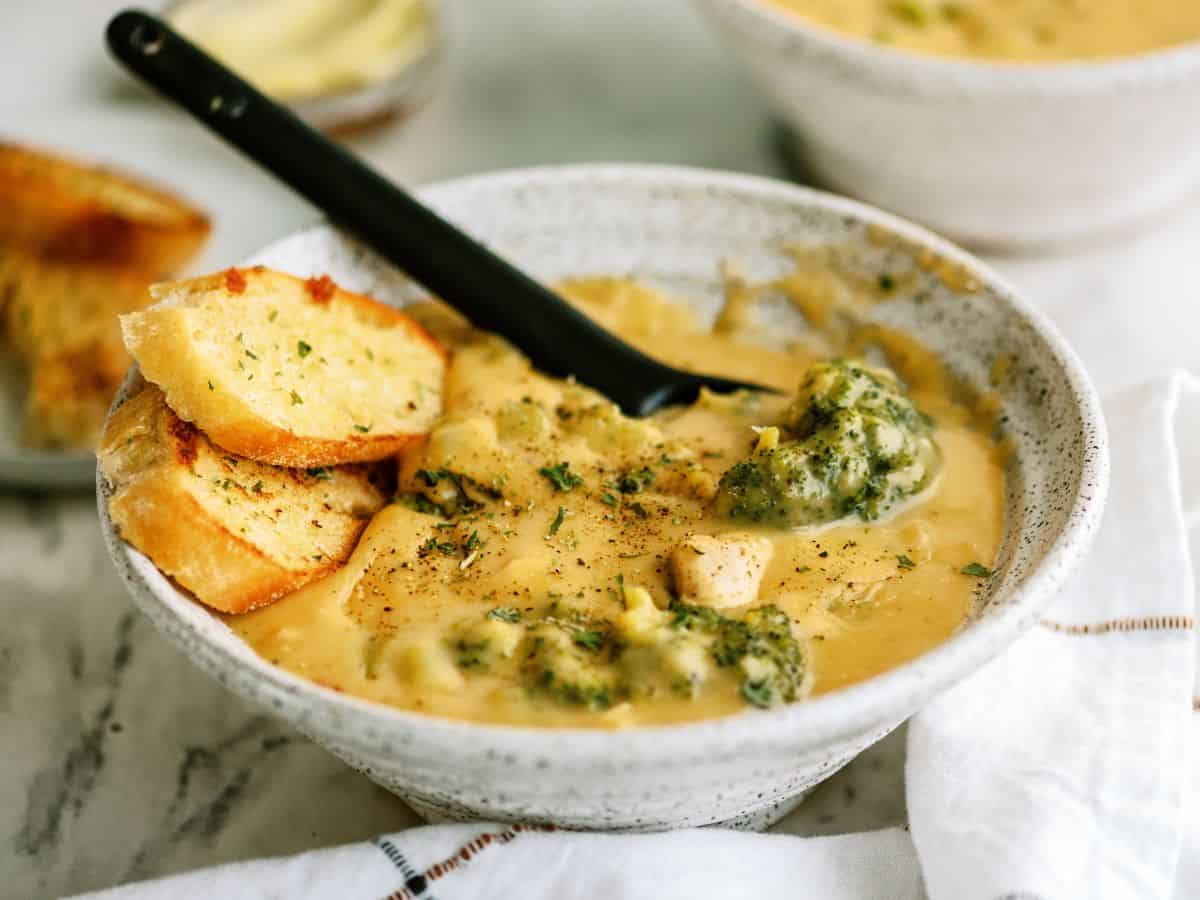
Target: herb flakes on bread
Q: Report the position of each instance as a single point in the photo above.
(236, 533)
(287, 371)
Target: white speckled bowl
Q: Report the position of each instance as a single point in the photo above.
(671, 226)
(994, 154)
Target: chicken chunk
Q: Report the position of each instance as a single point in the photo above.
(720, 571)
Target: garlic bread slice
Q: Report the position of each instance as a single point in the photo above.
(60, 321)
(288, 371)
(74, 212)
(236, 533)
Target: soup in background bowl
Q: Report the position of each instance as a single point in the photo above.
(1004, 30)
(673, 237)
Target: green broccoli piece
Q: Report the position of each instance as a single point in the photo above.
(568, 669)
(761, 645)
(567, 656)
(480, 644)
(853, 444)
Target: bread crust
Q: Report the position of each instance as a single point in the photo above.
(73, 212)
(169, 357)
(149, 455)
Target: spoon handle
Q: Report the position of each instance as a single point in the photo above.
(489, 291)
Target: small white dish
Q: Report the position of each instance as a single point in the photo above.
(671, 226)
(996, 154)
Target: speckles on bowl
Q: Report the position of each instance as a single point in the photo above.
(672, 226)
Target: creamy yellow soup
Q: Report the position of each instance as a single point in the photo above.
(538, 522)
(1012, 30)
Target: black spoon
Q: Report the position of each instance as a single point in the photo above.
(489, 291)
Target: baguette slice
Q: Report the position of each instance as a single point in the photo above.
(61, 321)
(69, 395)
(236, 533)
(287, 371)
(67, 210)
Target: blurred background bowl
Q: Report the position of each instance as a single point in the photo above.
(1001, 155)
(342, 65)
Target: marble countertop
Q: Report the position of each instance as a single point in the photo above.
(120, 760)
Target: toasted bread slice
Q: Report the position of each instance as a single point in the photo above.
(61, 321)
(69, 395)
(67, 210)
(50, 307)
(236, 533)
(287, 371)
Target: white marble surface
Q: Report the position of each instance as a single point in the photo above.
(117, 759)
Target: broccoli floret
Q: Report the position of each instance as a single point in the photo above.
(853, 444)
(567, 656)
(571, 658)
(480, 644)
(761, 645)
(569, 669)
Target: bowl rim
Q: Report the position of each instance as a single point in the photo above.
(891, 69)
(885, 699)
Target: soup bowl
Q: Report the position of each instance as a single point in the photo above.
(1003, 155)
(671, 227)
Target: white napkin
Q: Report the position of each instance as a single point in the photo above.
(1061, 770)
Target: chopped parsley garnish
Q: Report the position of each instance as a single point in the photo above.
(589, 640)
(634, 481)
(639, 510)
(462, 500)
(363, 429)
(321, 473)
(905, 562)
(258, 486)
(509, 614)
(422, 504)
(272, 315)
(297, 400)
(557, 523)
(886, 282)
(446, 548)
(251, 354)
(560, 476)
(608, 499)
(210, 386)
(975, 570)
(303, 348)
(472, 542)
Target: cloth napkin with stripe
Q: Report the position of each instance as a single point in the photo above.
(1065, 769)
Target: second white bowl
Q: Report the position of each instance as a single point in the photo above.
(993, 154)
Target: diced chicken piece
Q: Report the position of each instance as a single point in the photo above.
(720, 571)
